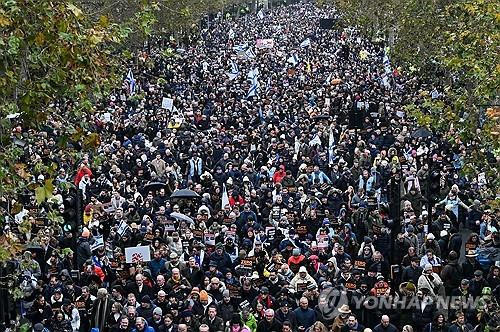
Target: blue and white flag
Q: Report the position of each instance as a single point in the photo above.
(123, 227)
(131, 82)
(98, 243)
(331, 147)
(387, 64)
(225, 196)
(268, 85)
(306, 43)
(234, 71)
(240, 48)
(328, 80)
(385, 81)
(294, 60)
(250, 54)
(260, 14)
(253, 76)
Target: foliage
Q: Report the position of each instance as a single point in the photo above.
(452, 45)
(50, 53)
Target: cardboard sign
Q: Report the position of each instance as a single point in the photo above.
(167, 103)
(270, 233)
(80, 304)
(246, 262)
(380, 291)
(137, 254)
(123, 273)
(301, 286)
(323, 241)
(264, 43)
(234, 291)
(198, 233)
(301, 229)
(360, 265)
(350, 286)
(169, 226)
(209, 239)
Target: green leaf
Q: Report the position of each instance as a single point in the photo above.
(75, 10)
(40, 195)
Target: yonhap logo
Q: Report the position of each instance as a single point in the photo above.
(330, 300)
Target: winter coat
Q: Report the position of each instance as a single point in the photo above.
(451, 275)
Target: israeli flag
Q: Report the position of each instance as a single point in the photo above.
(294, 60)
(240, 48)
(234, 71)
(260, 14)
(385, 81)
(131, 82)
(306, 43)
(268, 85)
(328, 80)
(98, 243)
(231, 33)
(250, 54)
(331, 147)
(253, 76)
(387, 64)
(225, 197)
(122, 228)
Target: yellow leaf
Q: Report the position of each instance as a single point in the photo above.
(39, 39)
(4, 21)
(75, 10)
(103, 21)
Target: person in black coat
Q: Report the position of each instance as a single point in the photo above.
(412, 272)
(40, 311)
(214, 323)
(470, 265)
(269, 323)
(423, 317)
(385, 325)
(138, 288)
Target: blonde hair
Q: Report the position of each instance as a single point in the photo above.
(319, 325)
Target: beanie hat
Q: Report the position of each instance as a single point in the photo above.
(158, 311)
(203, 295)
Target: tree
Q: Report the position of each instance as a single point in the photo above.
(453, 46)
(55, 63)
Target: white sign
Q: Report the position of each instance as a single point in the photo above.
(209, 239)
(264, 43)
(167, 103)
(137, 254)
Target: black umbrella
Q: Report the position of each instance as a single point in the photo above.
(184, 193)
(154, 186)
(421, 132)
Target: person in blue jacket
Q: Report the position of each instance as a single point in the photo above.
(141, 325)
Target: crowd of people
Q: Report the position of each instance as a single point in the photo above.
(285, 202)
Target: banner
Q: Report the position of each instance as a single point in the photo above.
(137, 254)
(264, 43)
